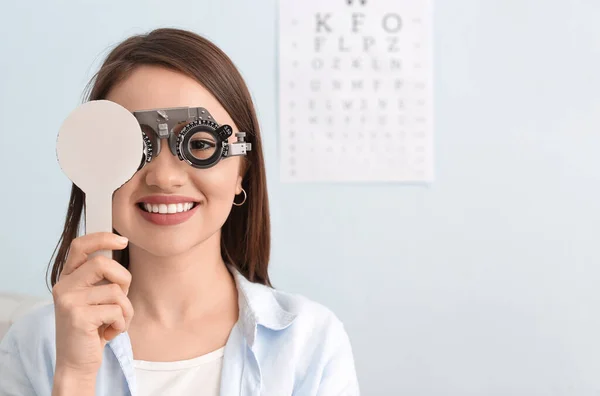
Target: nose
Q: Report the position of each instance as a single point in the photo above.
(166, 172)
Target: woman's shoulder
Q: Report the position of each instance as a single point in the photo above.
(301, 318)
(278, 309)
(32, 329)
(27, 353)
(312, 343)
(313, 321)
(306, 309)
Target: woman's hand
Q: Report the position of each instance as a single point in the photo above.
(91, 304)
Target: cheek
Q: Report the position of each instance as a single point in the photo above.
(119, 195)
(122, 195)
(219, 182)
(121, 204)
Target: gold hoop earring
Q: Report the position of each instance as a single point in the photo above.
(245, 197)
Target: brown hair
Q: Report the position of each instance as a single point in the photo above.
(245, 236)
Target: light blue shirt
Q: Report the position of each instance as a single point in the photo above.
(282, 344)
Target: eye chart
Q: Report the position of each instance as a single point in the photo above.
(355, 90)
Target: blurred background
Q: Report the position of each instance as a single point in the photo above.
(484, 282)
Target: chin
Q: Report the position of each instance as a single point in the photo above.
(166, 247)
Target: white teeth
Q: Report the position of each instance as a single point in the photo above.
(170, 208)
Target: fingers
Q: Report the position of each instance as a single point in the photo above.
(110, 315)
(104, 308)
(98, 269)
(84, 245)
(110, 294)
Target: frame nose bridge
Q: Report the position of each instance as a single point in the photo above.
(159, 132)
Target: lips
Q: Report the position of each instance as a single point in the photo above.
(167, 219)
(163, 204)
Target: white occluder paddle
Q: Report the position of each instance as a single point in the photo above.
(99, 147)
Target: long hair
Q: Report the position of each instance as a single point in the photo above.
(245, 236)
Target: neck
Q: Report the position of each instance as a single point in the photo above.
(178, 289)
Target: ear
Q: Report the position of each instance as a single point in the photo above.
(238, 185)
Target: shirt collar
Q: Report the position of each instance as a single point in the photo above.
(258, 305)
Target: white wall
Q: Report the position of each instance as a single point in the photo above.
(484, 283)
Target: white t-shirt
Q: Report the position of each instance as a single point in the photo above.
(199, 376)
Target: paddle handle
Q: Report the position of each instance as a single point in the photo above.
(98, 217)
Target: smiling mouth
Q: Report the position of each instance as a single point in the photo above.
(167, 208)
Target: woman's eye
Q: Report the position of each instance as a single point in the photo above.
(201, 144)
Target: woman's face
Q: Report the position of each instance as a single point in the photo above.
(211, 190)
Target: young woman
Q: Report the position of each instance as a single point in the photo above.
(192, 262)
